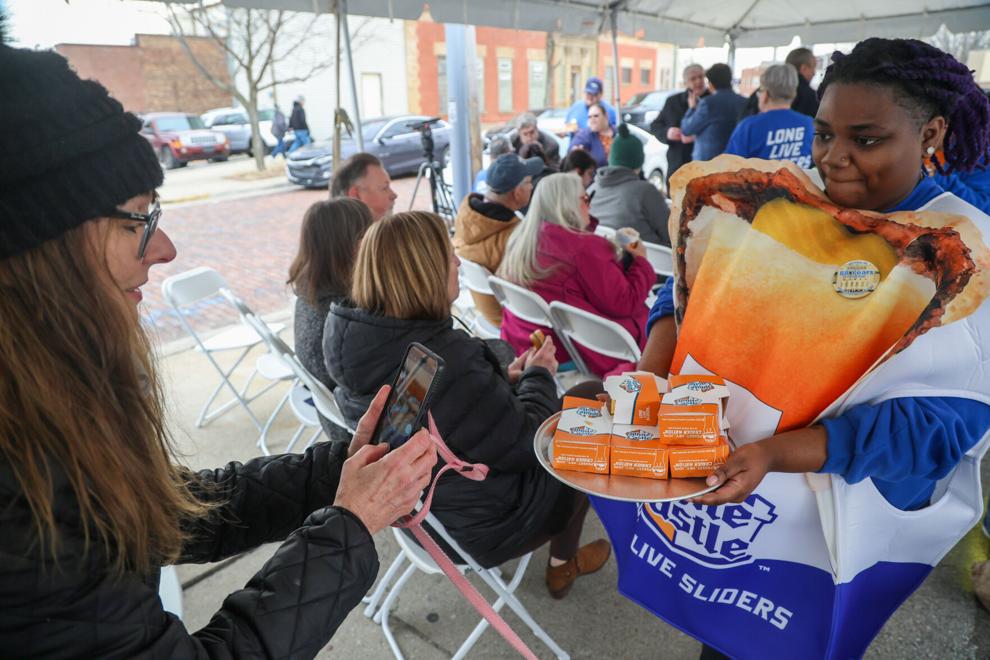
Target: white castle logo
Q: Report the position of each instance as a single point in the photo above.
(715, 536)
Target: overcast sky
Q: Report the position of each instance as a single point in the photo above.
(44, 23)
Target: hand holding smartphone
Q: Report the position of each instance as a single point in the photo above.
(412, 390)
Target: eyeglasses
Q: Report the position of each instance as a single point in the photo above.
(595, 116)
(149, 219)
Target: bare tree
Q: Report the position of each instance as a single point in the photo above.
(254, 41)
(959, 44)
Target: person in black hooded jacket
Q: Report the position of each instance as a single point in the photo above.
(92, 504)
(404, 281)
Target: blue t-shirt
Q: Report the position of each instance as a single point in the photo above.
(774, 135)
(973, 187)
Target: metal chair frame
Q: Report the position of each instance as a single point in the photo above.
(419, 560)
(568, 319)
(179, 292)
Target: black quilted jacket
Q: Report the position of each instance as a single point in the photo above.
(289, 609)
(482, 418)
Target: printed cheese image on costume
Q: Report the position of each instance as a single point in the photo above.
(793, 298)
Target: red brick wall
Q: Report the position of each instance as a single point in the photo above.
(172, 81)
(155, 74)
(637, 54)
(118, 68)
(488, 41)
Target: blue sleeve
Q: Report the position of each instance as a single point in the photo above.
(663, 305)
(695, 119)
(572, 113)
(581, 139)
(613, 117)
(905, 438)
(739, 140)
(973, 187)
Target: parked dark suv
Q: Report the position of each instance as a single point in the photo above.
(179, 138)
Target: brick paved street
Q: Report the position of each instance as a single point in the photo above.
(250, 241)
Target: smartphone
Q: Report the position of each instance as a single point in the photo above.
(405, 409)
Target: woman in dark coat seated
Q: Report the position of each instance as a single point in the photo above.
(92, 504)
(405, 280)
(321, 275)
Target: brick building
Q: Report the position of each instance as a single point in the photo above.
(520, 70)
(154, 74)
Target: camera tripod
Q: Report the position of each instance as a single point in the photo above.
(440, 191)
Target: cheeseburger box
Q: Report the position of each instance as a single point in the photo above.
(635, 397)
(697, 461)
(581, 441)
(707, 388)
(706, 385)
(638, 452)
(686, 419)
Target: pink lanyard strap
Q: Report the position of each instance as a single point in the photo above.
(475, 472)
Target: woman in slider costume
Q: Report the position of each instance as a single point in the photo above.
(855, 346)
(92, 504)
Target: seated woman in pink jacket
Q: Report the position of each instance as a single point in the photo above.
(555, 253)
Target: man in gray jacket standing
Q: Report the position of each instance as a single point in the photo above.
(623, 199)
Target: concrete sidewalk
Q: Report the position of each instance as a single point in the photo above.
(941, 620)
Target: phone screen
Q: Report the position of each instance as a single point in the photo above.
(403, 414)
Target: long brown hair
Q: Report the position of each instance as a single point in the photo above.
(328, 241)
(402, 267)
(80, 403)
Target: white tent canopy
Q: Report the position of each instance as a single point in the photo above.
(685, 22)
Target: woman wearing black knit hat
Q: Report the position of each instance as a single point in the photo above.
(91, 503)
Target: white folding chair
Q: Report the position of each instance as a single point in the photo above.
(594, 332)
(170, 591)
(306, 397)
(661, 258)
(531, 307)
(270, 365)
(420, 560)
(184, 290)
(475, 278)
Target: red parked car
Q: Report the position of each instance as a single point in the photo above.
(179, 138)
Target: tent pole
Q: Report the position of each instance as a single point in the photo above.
(732, 51)
(458, 107)
(350, 67)
(615, 58)
(336, 98)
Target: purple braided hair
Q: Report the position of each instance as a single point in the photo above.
(927, 82)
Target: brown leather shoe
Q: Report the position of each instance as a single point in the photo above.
(589, 558)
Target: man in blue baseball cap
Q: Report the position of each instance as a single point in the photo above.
(484, 222)
(577, 115)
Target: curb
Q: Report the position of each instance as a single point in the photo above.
(228, 195)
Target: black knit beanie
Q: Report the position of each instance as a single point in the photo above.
(68, 151)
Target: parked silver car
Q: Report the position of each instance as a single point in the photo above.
(234, 123)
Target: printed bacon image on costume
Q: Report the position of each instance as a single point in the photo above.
(794, 298)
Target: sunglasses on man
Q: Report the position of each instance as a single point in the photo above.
(149, 219)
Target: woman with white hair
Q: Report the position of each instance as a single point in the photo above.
(555, 253)
(777, 133)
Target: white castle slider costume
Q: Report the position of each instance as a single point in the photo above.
(806, 309)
